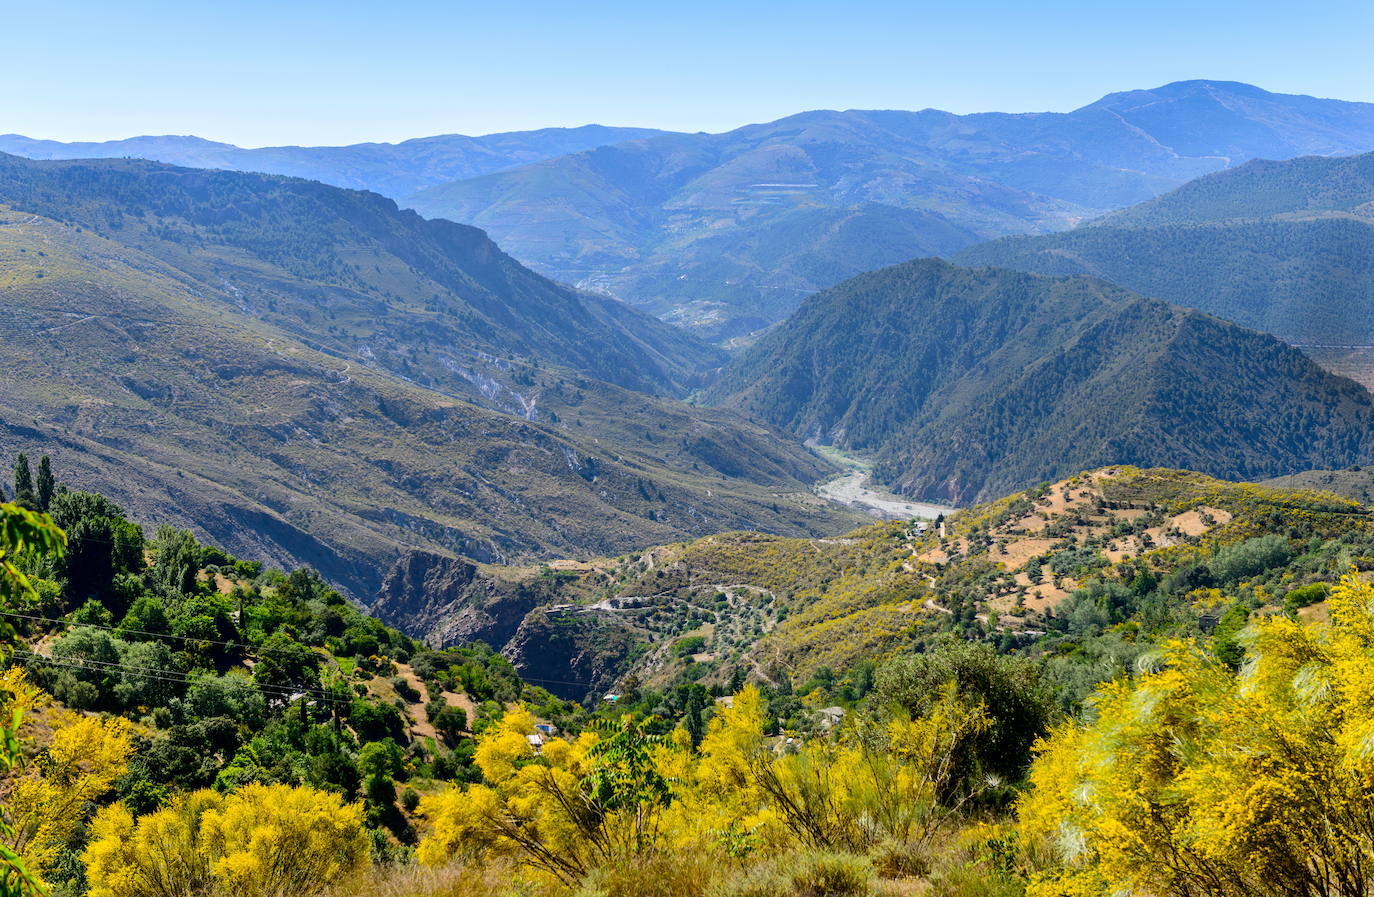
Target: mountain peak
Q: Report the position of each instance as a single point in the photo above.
(1176, 90)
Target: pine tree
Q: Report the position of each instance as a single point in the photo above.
(23, 481)
(45, 485)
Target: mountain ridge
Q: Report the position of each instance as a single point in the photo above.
(965, 383)
(671, 222)
(392, 169)
(1284, 247)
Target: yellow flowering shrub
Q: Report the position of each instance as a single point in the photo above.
(1193, 780)
(259, 841)
(46, 797)
(623, 797)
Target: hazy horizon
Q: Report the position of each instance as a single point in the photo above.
(338, 74)
(611, 124)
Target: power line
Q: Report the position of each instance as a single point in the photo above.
(292, 688)
(241, 645)
(244, 645)
(178, 677)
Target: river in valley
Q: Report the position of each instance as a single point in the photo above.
(854, 488)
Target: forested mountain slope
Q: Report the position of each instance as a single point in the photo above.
(394, 170)
(1258, 189)
(169, 666)
(213, 355)
(964, 383)
(689, 224)
(1284, 247)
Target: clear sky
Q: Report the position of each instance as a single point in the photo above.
(260, 72)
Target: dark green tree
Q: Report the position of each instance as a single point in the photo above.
(451, 722)
(1019, 703)
(46, 485)
(692, 720)
(23, 482)
(286, 664)
(101, 544)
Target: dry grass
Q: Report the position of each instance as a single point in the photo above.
(455, 880)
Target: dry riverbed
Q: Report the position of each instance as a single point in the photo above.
(854, 488)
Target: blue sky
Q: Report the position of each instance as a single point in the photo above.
(256, 73)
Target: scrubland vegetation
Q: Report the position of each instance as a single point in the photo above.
(182, 723)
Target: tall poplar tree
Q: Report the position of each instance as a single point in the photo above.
(46, 485)
(23, 481)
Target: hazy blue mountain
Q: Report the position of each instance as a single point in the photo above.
(1258, 189)
(392, 169)
(1285, 247)
(688, 224)
(964, 383)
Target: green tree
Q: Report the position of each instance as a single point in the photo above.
(23, 482)
(1226, 637)
(146, 619)
(380, 762)
(381, 759)
(286, 663)
(1018, 702)
(46, 485)
(101, 544)
(451, 722)
(176, 561)
(625, 779)
(143, 676)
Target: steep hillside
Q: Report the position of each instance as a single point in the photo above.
(1258, 189)
(390, 169)
(323, 419)
(1051, 566)
(354, 275)
(201, 669)
(965, 383)
(683, 223)
(1284, 247)
(1355, 483)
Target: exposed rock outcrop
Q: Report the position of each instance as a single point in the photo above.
(575, 656)
(448, 601)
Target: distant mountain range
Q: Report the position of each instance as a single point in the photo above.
(392, 169)
(966, 383)
(1285, 247)
(727, 233)
(310, 375)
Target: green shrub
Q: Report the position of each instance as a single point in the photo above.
(1305, 596)
(692, 644)
(407, 692)
(1232, 563)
